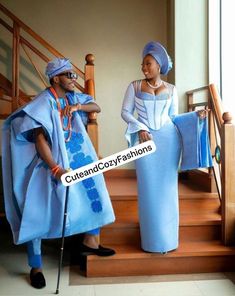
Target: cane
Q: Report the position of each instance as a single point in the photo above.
(62, 240)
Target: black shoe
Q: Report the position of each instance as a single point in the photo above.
(100, 251)
(37, 280)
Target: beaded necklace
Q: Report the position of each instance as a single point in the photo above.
(154, 86)
(69, 125)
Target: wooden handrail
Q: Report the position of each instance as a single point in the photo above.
(196, 90)
(216, 105)
(17, 100)
(24, 41)
(222, 137)
(33, 34)
(40, 54)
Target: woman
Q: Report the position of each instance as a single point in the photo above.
(156, 104)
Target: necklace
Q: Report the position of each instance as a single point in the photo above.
(154, 86)
(69, 126)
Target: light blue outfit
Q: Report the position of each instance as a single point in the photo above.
(157, 174)
(34, 199)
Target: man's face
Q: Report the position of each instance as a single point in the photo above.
(66, 80)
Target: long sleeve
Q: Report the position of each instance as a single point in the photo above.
(128, 108)
(173, 110)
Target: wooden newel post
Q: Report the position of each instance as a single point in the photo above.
(15, 66)
(92, 127)
(228, 179)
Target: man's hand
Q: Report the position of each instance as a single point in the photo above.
(60, 172)
(69, 109)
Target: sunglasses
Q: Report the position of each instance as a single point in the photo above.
(69, 75)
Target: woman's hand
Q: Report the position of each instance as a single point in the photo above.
(144, 136)
(203, 113)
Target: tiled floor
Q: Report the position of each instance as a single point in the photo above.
(14, 278)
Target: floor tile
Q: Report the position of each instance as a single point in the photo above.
(149, 289)
(223, 287)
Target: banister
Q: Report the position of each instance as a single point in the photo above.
(92, 123)
(90, 89)
(34, 65)
(39, 53)
(24, 41)
(216, 105)
(15, 66)
(227, 118)
(90, 59)
(37, 37)
(228, 179)
(190, 92)
(222, 142)
(17, 100)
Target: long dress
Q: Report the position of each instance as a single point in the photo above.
(156, 173)
(34, 199)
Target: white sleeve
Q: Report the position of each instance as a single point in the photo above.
(128, 108)
(173, 110)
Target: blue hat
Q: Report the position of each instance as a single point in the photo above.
(156, 50)
(57, 66)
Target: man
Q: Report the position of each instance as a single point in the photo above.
(40, 142)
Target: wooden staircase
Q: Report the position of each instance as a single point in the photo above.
(200, 248)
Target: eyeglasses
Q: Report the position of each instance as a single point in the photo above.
(69, 75)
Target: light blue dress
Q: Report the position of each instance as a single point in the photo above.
(156, 173)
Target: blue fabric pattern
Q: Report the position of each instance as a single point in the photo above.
(79, 159)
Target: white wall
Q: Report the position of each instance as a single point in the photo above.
(191, 46)
(228, 62)
(114, 31)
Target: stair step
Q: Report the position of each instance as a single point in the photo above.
(190, 257)
(191, 206)
(192, 228)
(200, 247)
(126, 189)
(185, 219)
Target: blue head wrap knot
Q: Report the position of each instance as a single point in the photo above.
(159, 53)
(57, 66)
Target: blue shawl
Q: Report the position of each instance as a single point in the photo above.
(195, 142)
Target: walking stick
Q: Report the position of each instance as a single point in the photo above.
(62, 240)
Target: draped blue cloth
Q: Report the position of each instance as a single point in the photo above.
(195, 142)
(34, 200)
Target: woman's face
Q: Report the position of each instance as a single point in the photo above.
(150, 67)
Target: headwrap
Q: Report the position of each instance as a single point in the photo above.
(157, 51)
(57, 66)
